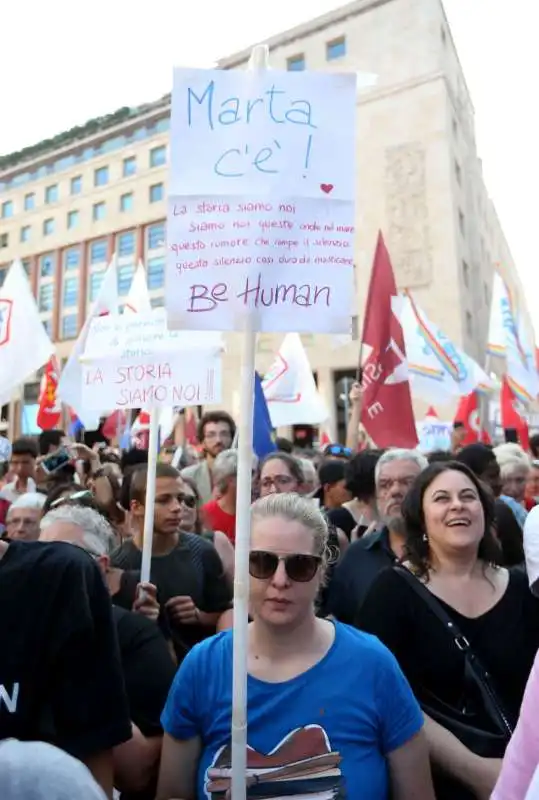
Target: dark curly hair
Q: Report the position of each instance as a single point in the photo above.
(416, 547)
(359, 474)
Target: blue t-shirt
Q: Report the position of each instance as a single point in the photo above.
(327, 730)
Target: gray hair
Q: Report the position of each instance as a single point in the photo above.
(98, 536)
(310, 475)
(295, 508)
(511, 456)
(400, 454)
(32, 500)
(225, 467)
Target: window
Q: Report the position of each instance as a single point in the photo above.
(46, 266)
(98, 251)
(48, 226)
(98, 212)
(158, 156)
(25, 233)
(157, 302)
(295, 63)
(126, 243)
(76, 185)
(46, 297)
(126, 202)
(101, 176)
(156, 236)
(156, 192)
(71, 292)
(47, 324)
(27, 264)
(70, 326)
(336, 49)
(125, 278)
(7, 209)
(96, 279)
(3, 273)
(469, 324)
(29, 201)
(462, 223)
(72, 258)
(4, 240)
(72, 219)
(466, 274)
(458, 174)
(156, 272)
(129, 167)
(51, 193)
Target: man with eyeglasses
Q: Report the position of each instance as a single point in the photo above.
(216, 432)
(22, 519)
(396, 470)
(191, 584)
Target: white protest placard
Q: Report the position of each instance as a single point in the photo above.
(135, 362)
(261, 206)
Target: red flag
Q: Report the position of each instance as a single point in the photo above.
(468, 413)
(190, 427)
(512, 416)
(431, 412)
(386, 412)
(114, 425)
(50, 410)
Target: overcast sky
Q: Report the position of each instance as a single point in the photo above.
(62, 66)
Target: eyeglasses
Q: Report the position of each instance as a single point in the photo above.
(300, 568)
(188, 500)
(60, 501)
(338, 450)
(279, 481)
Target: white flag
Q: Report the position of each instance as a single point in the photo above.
(138, 299)
(507, 338)
(290, 389)
(70, 385)
(437, 368)
(24, 343)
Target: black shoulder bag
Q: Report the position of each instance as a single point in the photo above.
(468, 722)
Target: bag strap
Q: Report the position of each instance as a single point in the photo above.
(476, 669)
(420, 589)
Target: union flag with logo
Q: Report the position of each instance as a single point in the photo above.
(50, 409)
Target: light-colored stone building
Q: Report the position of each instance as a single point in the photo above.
(65, 205)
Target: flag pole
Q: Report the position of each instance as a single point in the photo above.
(259, 61)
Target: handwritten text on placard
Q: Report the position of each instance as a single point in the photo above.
(290, 265)
(143, 382)
(238, 132)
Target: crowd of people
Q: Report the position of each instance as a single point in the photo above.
(394, 622)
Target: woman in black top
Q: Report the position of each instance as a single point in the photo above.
(452, 551)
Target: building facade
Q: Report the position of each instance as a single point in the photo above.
(68, 203)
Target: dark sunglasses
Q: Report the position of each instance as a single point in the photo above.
(337, 450)
(188, 500)
(300, 568)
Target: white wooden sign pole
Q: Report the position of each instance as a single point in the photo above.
(259, 61)
(147, 540)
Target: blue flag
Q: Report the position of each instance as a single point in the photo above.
(263, 434)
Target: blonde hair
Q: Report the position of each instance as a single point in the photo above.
(510, 456)
(295, 508)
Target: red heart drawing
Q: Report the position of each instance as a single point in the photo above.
(327, 188)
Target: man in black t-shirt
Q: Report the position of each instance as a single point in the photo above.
(60, 673)
(186, 568)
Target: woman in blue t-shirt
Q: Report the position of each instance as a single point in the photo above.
(330, 715)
